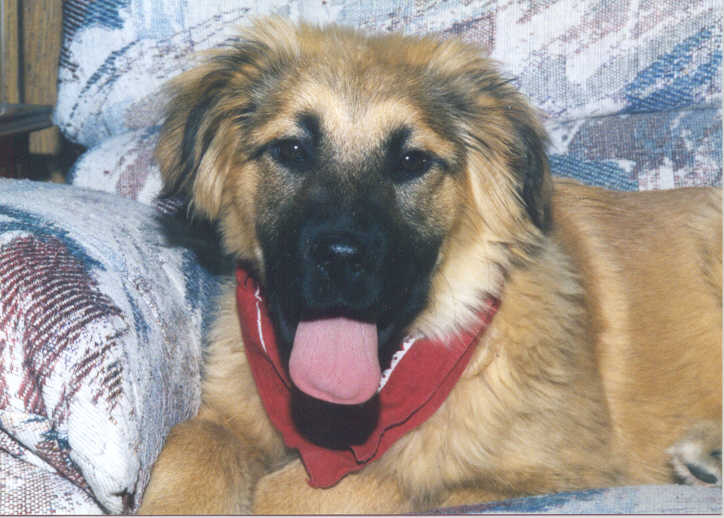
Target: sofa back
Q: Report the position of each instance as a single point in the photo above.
(630, 90)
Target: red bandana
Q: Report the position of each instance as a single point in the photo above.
(422, 374)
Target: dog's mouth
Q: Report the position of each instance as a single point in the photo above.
(336, 359)
(342, 285)
(338, 355)
(338, 311)
(335, 362)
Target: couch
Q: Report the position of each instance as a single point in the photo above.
(103, 311)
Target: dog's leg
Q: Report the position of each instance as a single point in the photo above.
(287, 492)
(211, 463)
(205, 468)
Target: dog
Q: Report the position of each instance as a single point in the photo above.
(400, 238)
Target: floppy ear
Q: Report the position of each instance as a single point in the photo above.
(507, 162)
(508, 172)
(530, 163)
(191, 151)
(203, 132)
(501, 132)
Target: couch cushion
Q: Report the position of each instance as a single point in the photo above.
(123, 165)
(654, 500)
(574, 59)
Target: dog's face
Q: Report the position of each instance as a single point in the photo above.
(373, 184)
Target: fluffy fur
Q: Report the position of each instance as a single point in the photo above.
(606, 349)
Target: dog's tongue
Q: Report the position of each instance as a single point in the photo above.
(335, 359)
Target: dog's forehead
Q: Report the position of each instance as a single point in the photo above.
(355, 120)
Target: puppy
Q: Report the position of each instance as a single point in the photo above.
(421, 315)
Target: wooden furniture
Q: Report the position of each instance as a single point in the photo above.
(17, 122)
(30, 37)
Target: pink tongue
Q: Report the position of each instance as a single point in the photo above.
(335, 359)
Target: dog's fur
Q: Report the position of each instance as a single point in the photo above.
(605, 351)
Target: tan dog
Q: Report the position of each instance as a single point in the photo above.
(389, 186)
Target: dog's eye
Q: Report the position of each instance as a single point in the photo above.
(290, 153)
(412, 164)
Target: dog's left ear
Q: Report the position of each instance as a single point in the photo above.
(505, 141)
(509, 145)
(530, 163)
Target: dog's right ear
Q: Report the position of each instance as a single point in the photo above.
(188, 150)
(203, 132)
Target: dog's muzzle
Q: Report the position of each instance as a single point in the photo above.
(335, 350)
(341, 269)
(346, 277)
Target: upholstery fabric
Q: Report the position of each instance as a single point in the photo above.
(100, 344)
(655, 500)
(630, 89)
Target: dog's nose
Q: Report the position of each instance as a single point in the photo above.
(341, 265)
(340, 256)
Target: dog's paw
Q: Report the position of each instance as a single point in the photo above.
(696, 458)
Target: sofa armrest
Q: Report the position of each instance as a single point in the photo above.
(101, 324)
